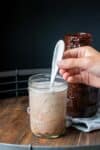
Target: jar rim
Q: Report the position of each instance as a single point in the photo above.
(35, 81)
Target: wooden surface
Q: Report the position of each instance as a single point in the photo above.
(15, 128)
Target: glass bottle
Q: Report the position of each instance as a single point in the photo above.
(82, 99)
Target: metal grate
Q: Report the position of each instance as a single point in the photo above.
(15, 83)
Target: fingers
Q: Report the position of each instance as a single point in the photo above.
(76, 76)
(84, 78)
(75, 52)
(73, 63)
(92, 80)
(82, 51)
(71, 54)
(62, 71)
(66, 73)
(75, 79)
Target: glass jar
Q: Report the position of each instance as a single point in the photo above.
(82, 98)
(47, 106)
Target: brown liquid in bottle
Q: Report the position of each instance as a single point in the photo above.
(82, 99)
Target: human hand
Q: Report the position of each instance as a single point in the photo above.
(81, 65)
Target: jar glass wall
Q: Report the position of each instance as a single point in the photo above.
(47, 107)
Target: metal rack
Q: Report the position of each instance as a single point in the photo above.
(15, 82)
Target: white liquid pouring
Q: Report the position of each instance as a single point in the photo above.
(57, 56)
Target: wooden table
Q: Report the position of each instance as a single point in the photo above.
(15, 128)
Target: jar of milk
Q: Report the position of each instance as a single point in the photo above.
(47, 106)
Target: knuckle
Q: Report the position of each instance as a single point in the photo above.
(88, 47)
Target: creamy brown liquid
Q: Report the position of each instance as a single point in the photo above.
(47, 111)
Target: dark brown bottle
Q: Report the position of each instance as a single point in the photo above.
(82, 99)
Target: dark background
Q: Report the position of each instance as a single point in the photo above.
(30, 29)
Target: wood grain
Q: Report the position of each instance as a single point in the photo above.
(15, 127)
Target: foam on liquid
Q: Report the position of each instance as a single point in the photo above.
(44, 87)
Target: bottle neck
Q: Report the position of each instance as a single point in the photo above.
(77, 40)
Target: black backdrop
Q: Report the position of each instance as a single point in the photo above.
(31, 28)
